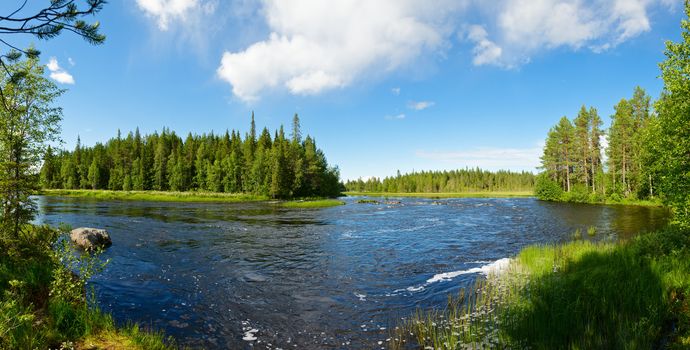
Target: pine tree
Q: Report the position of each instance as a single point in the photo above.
(595, 148)
(582, 150)
(620, 145)
(94, 175)
(565, 136)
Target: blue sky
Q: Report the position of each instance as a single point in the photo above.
(382, 85)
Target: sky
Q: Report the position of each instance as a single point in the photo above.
(382, 85)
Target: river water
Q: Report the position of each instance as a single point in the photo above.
(255, 275)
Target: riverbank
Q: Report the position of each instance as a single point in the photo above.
(576, 295)
(513, 194)
(190, 197)
(44, 304)
(156, 196)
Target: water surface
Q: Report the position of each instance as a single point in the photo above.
(255, 275)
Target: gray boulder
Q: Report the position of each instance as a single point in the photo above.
(90, 238)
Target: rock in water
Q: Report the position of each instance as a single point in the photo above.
(90, 238)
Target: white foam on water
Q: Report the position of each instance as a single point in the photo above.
(361, 297)
(249, 335)
(492, 268)
(495, 267)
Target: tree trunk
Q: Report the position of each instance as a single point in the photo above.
(651, 189)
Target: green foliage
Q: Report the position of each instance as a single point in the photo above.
(670, 143)
(547, 189)
(579, 193)
(454, 181)
(73, 272)
(572, 154)
(28, 120)
(278, 167)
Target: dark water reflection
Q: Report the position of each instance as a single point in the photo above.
(311, 279)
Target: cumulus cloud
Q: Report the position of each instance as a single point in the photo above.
(317, 45)
(525, 27)
(420, 105)
(165, 11)
(485, 51)
(313, 46)
(57, 73)
(488, 158)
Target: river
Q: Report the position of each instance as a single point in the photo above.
(256, 275)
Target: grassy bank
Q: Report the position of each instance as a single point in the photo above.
(579, 295)
(45, 303)
(445, 195)
(312, 204)
(156, 196)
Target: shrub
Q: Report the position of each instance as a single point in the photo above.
(546, 189)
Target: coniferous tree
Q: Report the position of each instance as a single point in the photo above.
(207, 162)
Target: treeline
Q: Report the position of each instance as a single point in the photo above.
(454, 181)
(275, 166)
(573, 164)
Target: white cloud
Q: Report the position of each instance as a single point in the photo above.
(420, 105)
(165, 11)
(485, 51)
(57, 73)
(318, 45)
(395, 117)
(395, 91)
(488, 158)
(311, 46)
(70, 61)
(523, 28)
(631, 18)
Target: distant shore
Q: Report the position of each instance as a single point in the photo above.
(511, 194)
(500, 194)
(189, 197)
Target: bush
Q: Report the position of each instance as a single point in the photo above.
(578, 194)
(615, 197)
(546, 189)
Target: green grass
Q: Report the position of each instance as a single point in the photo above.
(312, 204)
(446, 195)
(579, 295)
(639, 202)
(156, 196)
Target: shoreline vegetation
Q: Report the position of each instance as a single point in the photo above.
(190, 197)
(47, 304)
(498, 194)
(219, 197)
(578, 295)
(156, 196)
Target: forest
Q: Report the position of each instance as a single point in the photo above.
(270, 165)
(453, 181)
(577, 167)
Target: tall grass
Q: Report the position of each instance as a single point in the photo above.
(579, 295)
